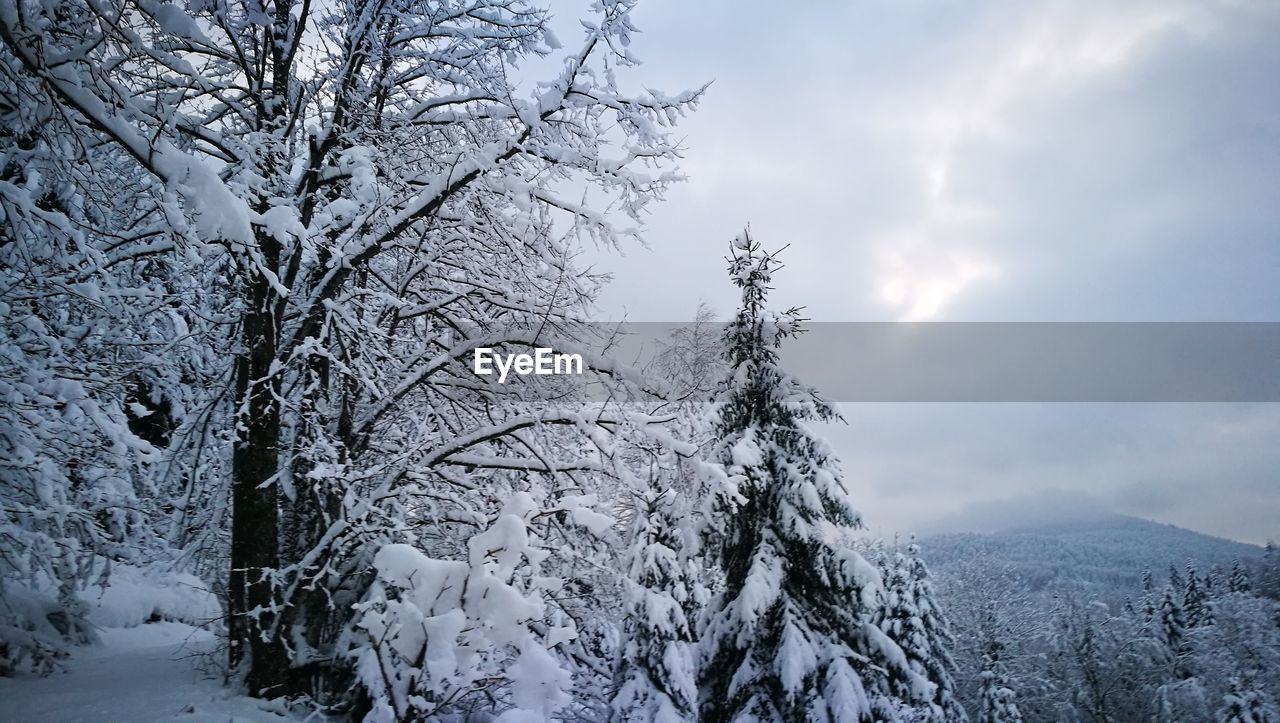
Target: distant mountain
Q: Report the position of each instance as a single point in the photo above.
(1104, 554)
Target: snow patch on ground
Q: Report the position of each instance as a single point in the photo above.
(141, 674)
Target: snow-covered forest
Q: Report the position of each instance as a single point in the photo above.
(247, 251)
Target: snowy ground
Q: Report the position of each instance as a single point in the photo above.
(138, 674)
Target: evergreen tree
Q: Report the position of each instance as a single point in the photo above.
(1173, 632)
(1195, 604)
(790, 634)
(1239, 580)
(655, 674)
(912, 618)
(1215, 582)
(1148, 597)
(998, 701)
(1269, 575)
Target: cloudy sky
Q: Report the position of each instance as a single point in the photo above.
(939, 160)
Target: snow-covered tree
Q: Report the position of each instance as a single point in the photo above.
(1240, 651)
(1196, 606)
(91, 333)
(1149, 607)
(692, 359)
(1180, 700)
(789, 635)
(911, 616)
(1241, 705)
(1102, 671)
(998, 701)
(1239, 579)
(437, 628)
(348, 199)
(1173, 632)
(1268, 579)
(1215, 582)
(991, 606)
(656, 676)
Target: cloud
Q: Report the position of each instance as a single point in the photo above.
(1029, 510)
(1013, 58)
(919, 282)
(970, 161)
(1046, 160)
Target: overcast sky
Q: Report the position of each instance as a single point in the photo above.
(989, 161)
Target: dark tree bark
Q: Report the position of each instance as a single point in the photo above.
(255, 520)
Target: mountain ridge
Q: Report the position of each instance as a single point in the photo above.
(1105, 554)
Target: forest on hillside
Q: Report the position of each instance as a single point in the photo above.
(248, 252)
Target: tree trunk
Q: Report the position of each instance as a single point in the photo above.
(313, 619)
(254, 522)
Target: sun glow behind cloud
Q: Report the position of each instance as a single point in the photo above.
(917, 293)
(926, 264)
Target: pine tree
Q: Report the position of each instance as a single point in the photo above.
(912, 618)
(1239, 580)
(1195, 602)
(1148, 597)
(998, 701)
(655, 674)
(1173, 631)
(1269, 577)
(1214, 582)
(789, 636)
